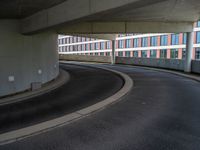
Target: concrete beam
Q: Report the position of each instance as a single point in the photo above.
(126, 27)
(70, 10)
(97, 36)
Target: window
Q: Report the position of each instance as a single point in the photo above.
(121, 45)
(101, 54)
(96, 54)
(198, 24)
(82, 47)
(183, 53)
(198, 37)
(96, 46)
(108, 45)
(83, 39)
(154, 41)
(71, 48)
(175, 39)
(107, 53)
(184, 38)
(59, 49)
(144, 54)
(91, 46)
(74, 39)
(153, 53)
(79, 48)
(128, 43)
(163, 53)
(144, 42)
(75, 47)
(174, 53)
(120, 54)
(86, 47)
(197, 53)
(164, 40)
(127, 54)
(135, 54)
(102, 45)
(136, 43)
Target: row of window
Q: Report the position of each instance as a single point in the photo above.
(127, 44)
(86, 47)
(175, 40)
(174, 54)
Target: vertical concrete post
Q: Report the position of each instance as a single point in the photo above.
(113, 52)
(189, 49)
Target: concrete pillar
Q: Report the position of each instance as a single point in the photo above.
(189, 48)
(26, 60)
(113, 52)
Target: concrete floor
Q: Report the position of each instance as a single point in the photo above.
(160, 113)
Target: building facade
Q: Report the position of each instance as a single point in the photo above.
(167, 46)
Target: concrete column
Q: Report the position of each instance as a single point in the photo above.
(189, 48)
(26, 60)
(113, 52)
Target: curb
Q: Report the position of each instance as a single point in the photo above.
(17, 135)
(62, 78)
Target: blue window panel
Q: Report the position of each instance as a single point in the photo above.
(82, 47)
(153, 41)
(153, 53)
(102, 45)
(108, 45)
(184, 38)
(198, 37)
(198, 24)
(135, 54)
(128, 43)
(144, 54)
(86, 47)
(164, 40)
(136, 43)
(96, 46)
(144, 42)
(121, 45)
(175, 39)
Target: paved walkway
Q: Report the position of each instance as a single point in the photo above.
(162, 112)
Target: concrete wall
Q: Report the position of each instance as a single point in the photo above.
(103, 59)
(26, 58)
(152, 62)
(175, 64)
(196, 66)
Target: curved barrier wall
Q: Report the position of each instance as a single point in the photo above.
(85, 58)
(25, 60)
(175, 64)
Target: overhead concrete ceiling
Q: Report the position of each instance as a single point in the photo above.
(50, 15)
(24, 8)
(154, 10)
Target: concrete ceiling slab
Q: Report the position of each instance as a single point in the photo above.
(23, 8)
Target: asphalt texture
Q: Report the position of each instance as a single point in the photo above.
(161, 112)
(86, 86)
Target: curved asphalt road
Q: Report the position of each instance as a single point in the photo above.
(162, 112)
(87, 86)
